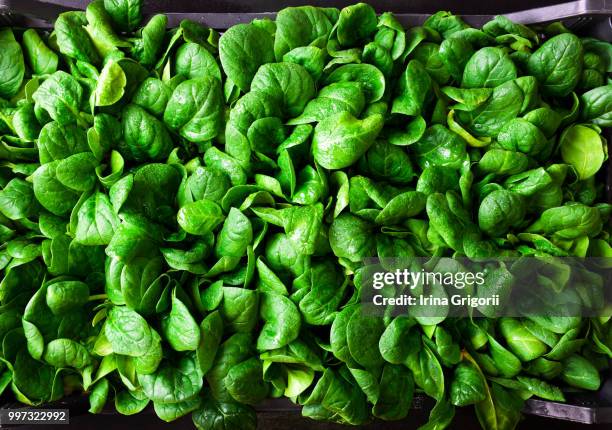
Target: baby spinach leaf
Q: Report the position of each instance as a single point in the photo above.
(65, 296)
(128, 333)
(340, 140)
(583, 148)
(66, 353)
(173, 382)
(200, 217)
(302, 26)
(397, 386)
(292, 80)
(60, 95)
(557, 64)
(522, 343)
(542, 389)
(179, 327)
(17, 199)
(73, 39)
(218, 416)
(355, 24)
(152, 141)
(50, 192)
(193, 109)
(211, 331)
(111, 85)
(369, 77)
(413, 90)
(282, 322)
(596, 105)
(579, 372)
(242, 49)
(12, 67)
(126, 14)
(488, 68)
(41, 58)
(467, 387)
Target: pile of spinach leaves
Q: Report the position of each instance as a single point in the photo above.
(183, 215)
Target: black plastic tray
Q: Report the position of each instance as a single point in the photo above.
(221, 14)
(586, 17)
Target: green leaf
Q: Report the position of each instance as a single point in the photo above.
(128, 333)
(12, 67)
(111, 85)
(200, 217)
(583, 148)
(180, 328)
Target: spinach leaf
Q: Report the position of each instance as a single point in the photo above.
(12, 68)
(292, 80)
(179, 327)
(128, 333)
(557, 64)
(61, 96)
(597, 105)
(218, 416)
(73, 39)
(242, 49)
(193, 109)
(302, 26)
(467, 387)
(488, 68)
(40, 57)
(126, 14)
(582, 148)
(340, 140)
(151, 141)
